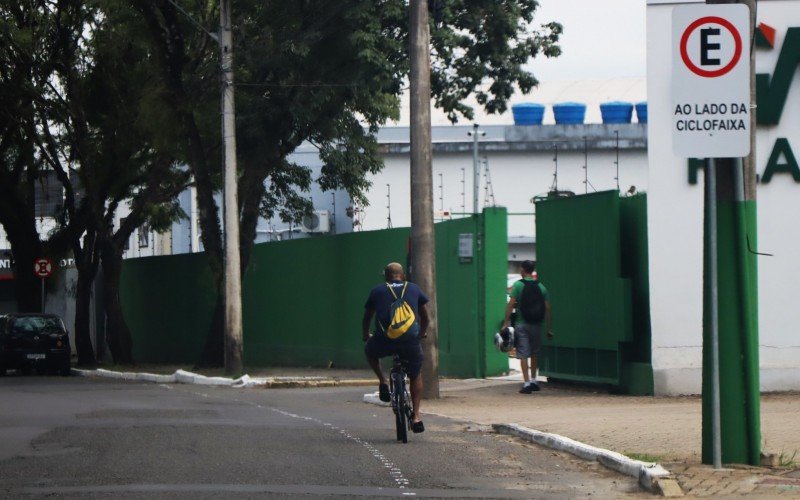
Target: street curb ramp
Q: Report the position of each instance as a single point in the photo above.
(647, 473)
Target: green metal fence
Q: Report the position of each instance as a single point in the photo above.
(592, 256)
(303, 299)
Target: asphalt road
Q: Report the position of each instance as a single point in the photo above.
(87, 438)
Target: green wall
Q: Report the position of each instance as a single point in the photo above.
(168, 303)
(303, 299)
(592, 257)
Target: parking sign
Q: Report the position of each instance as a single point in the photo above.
(711, 80)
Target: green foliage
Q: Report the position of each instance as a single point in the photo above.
(482, 49)
(787, 460)
(330, 73)
(317, 71)
(645, 457)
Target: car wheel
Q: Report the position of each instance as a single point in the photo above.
(2, 371)
(66, 371)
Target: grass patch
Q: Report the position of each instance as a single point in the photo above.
(645, 457)
(786, 460)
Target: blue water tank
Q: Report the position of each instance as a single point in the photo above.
(527, 113)
(641, 112)
(616, 112)
(569, 113)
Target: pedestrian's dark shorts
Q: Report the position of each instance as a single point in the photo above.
(410, 351)
(527, 340)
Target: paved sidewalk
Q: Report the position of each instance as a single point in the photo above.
(651, 429)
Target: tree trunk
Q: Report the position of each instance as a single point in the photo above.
(86, 262)
(28, 287)
(251, 192)
(118, 335)
(83, 340)
(250, 196)
(214, 350)
(19, 222)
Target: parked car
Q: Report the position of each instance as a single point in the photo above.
(34, 342)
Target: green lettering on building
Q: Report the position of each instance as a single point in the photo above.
(781, 148)
(771, 93)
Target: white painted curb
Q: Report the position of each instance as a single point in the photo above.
(179, 377)
(646, 472)
(186, 377)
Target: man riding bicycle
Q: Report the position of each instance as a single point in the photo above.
(408, 347)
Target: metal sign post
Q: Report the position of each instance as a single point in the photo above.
(713, 276)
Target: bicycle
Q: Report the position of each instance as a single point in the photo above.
(401, 399)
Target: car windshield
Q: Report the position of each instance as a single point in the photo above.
(35, 324)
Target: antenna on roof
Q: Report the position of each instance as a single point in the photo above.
(441, 192)
(463, 191)
(489, 189)
(388, 206)
(616, 162)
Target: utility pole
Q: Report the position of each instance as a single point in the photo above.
(233, 283)
(423, 257)
(750, 161)
(476, 179)
(731, 416)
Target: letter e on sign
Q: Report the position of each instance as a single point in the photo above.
(710, 70)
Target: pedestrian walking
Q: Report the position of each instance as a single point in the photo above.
(530, 298)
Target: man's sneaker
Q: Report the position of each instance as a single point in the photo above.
(535, 387)
(527, 389)
(383, 393)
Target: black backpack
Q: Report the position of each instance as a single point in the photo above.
(531, 302)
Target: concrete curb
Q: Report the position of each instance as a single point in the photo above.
(651, 476)
(648, 474)
(179, 377)
(290, 382)
(245, 381)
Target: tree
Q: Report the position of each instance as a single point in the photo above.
(128, 158)
(26, 66)
(81, 105)
(328, 73)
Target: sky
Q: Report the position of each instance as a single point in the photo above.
(601, 39)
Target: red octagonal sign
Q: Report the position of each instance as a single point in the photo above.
(42, 267)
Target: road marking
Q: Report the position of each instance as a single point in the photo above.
(394, 472)
(285, 490)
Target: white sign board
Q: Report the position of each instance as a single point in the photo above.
(465, 246)
(711, 80)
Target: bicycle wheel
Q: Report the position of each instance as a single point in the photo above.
(400, 416)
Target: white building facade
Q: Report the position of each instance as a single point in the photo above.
(675, 212)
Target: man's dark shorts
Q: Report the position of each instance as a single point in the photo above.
(410, 351)
(527, 340)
